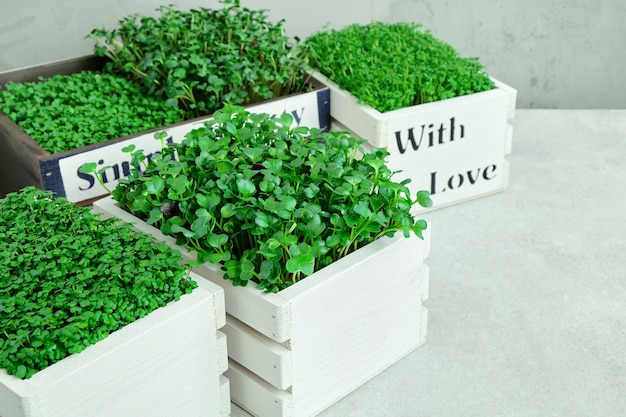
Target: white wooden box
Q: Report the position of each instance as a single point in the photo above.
(27, 163)
(296, 352)
(454, 148)
(169, 363)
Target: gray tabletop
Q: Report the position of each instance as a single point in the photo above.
(527, 308)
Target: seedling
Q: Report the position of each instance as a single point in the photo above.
(71, 111)
(392, 66)
(68, 279)
(200, 59)
(271, 203)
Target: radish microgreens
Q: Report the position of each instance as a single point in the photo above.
(270, 203)
(392, 66)
(200, 59)
(68, 279)
(71, 111)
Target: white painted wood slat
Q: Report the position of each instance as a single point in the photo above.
(348, 322)
(164, 364)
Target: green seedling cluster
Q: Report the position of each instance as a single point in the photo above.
(271, 203)
(68, 279)
(200, 59)
(392, 66)
(71, 111)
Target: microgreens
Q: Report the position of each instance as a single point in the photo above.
(70, 111)
(392, 66)
(68, 279)
(200, 59)
(270, 203)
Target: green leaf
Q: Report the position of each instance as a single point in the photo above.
(217, 240)
(245, 187)
(332, 241)
(186, 232)
(228, 210)
(423, 199)
(273, 243)
(286, 119)
(285, 202)
(200, 226)
(261, 219)
(287, 206)
(88, 168)
(208, 201)
(180, 184)
(65, 105)
(20, 371)
(155, 216)
(216, 258)
(80, 257)
(172, 102)
(389, 66)
(246, 270)
(361, 208)
(315, 227)
(180, 73)
(267, 271)
(303, 262)
(155, 186)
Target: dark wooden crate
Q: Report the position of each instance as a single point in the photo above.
(20, 155)
(23, 162)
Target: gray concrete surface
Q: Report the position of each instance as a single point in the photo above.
(528, 288)
(558, 54)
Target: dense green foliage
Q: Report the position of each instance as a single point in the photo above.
(392, 66)
(202, 59)
(67, 279)
(70, 111)
(272, 203)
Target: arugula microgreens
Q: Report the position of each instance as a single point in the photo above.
(68, 279)
(200, 59)
(66, 112)
(271, 203)
(392, 66)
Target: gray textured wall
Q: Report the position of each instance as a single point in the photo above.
(559, 53)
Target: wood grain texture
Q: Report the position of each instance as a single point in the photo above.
(348, 322)
(19, 158)
(259, 354)
(267, 313)
(509, 139)
(225, 395)
(371, 124)
(357, 324)
(50, 69)
(255, 395)
(444, 147)
(222, 351)
(161, 365)
(20, 155)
